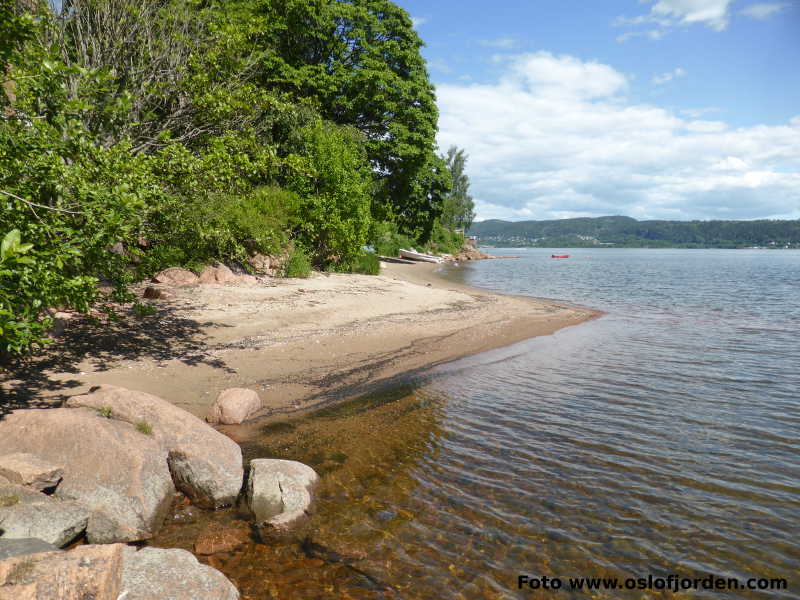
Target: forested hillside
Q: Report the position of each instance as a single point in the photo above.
(141, 135)
(630, 233)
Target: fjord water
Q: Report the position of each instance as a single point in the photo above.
(659, 439)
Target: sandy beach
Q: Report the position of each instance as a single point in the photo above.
(297, 342)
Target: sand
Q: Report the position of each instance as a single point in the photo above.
(297, 342)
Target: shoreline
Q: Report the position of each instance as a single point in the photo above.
(298, 343)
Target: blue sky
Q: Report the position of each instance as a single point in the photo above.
(680, 109)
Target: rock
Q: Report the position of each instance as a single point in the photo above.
(53, 521)
(61, 323)
(219, 274)
(264, 264)
(86, 572)
(205, 464)
(217, 538)
(154, 293)
(118, 473)
(28, 470)
(12, 494)
(234, 406)
(279, 492)
(155, 574)
(20, 547)
(175, 276)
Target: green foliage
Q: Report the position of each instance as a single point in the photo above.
(360, 63)
(387, 241)
(140, 136)
(334, 183)
(297, 264)
(366, 264)
(144, 427)
(106, 412)
(444, 240)
(458, 208)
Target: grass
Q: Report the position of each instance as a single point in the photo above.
(144, 427)
(297, 265)
(106, 412)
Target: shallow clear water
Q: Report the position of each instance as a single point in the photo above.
(659, 439)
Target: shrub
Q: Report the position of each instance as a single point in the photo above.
(387, 241)
(297, 264)
(366, 264)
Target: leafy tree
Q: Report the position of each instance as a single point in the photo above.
(458, 209)
(360, 62)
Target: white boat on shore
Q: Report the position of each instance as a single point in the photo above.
(414, 255)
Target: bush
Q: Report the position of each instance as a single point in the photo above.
(387, 241)
(297, 264)
(444, 240)
(333, 178)
(366, 263)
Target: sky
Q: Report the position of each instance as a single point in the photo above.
(655, 109)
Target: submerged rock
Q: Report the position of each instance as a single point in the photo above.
(217, 538)
(155, 573)
(279, 492)
(118, 473)
(205, 464)
(31, 471)
(234, 406)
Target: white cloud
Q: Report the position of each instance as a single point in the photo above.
(672, 13)
(667, 77)
(417, 21)
(763, 11)
(556, 136)
(505, 43)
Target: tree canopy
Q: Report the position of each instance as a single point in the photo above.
(142, 135)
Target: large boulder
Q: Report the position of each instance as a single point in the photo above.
(175, 276)
(279, 492)
(205, 464)
(31, 471)
(234, 406)
(120, 474)
(156, 574)
(85, 572)
(219, 274)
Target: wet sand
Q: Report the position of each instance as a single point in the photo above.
(299, 342)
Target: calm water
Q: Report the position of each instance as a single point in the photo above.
(660, 439)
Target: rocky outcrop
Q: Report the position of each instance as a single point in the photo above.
(176, 276)
(31, 471)
(155, 573)
(279, 492)
(264, 264)
(234, 406)
(219, 274)
(470, 253)
(118, 473)
(85, 572)
(205, 464)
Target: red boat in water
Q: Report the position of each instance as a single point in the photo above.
(559, 256)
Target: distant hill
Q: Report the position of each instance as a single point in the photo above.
(626, 232)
